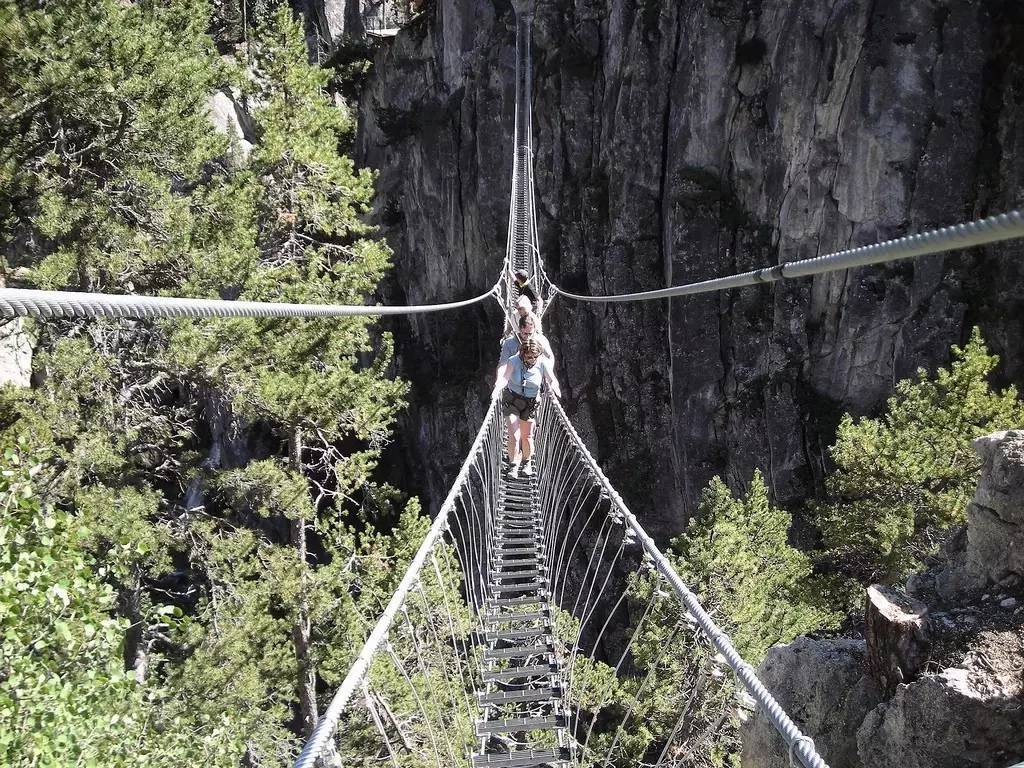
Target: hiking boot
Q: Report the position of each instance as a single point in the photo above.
(513, 471)
(528, 469)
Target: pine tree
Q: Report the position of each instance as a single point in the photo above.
(902, 480)
(271, 564)
(736, 556)
(103, 108)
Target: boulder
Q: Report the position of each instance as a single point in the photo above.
(15, 353)
(959, 718)
(821, 684)
(995, 519)
(226, 119)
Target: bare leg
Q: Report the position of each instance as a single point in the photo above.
(526, 428)
(512, 444)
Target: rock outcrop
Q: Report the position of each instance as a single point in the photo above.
(15, 353)
(964, 708)
(678, 140)
(228, 119)
(994, 552)
(822, 684)
(959, 718)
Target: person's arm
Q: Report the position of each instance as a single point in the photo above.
(549, 375)
(507, 350)
(549, 353)
(501, 380)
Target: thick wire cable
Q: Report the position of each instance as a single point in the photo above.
(994, 229)
(21, 302)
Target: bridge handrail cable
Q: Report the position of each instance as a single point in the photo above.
(328, 722)
(23, 302)
(994, 229)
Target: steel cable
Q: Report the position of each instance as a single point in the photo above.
(1005, 226)
(22, 302)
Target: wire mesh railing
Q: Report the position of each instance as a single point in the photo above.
(650, 679)
(408, 698)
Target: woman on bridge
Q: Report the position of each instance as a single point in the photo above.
(518, 384)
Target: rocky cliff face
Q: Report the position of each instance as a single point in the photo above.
(678, 140)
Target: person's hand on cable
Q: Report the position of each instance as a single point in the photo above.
(500, 380)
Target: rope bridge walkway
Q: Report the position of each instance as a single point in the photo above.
(538, 624)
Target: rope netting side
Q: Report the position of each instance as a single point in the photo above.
(522, 250)
(407, 698)
(650, 677)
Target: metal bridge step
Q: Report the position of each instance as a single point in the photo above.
(506, 589)
(501, 565)
(519, 534)
(511, 635)
(523, 547)
(518, 498)
(508, 503)
(522, 652)
(508, 563)
(506, 540)
(530, 547)
(518, 525)
(503, 618)
(526, 696)
(530, 573)
(486, 728)
(517, 673)
(516, 547)
(523, 600)
(525, 521)
(523, 758)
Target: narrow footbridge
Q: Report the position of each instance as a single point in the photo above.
(538, 624)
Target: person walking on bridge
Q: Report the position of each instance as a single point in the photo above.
(527, 330)
(518, 385)
(522, 283)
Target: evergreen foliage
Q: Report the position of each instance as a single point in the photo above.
(736, 556)
(212, 482)
(902, 480)
(66, 698)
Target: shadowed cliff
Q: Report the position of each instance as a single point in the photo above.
(677, 141)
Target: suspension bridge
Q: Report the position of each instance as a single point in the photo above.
(538, 623)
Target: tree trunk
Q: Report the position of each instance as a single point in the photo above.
(301, 631)
(136, 643)
(897, 636)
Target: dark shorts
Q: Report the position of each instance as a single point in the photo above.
(517, 405)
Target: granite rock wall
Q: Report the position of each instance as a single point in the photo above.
(679, 140)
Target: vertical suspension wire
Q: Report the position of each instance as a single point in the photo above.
(426, 680)
(470, 672)
(443, 663)
(378, 723)
(389, 648)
